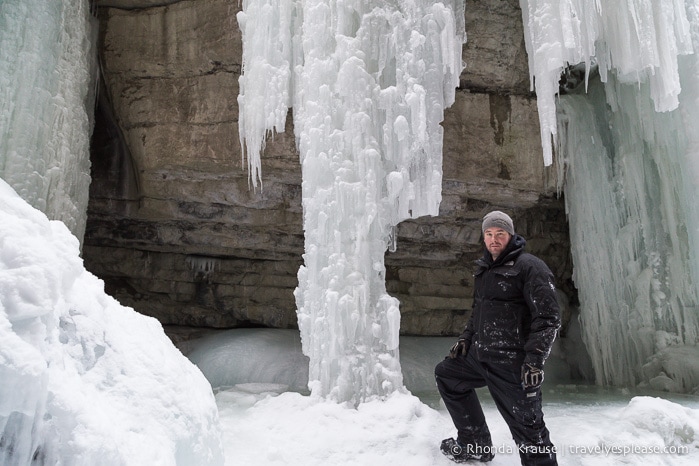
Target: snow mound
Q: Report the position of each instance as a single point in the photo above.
(84, 380)
(673, 425)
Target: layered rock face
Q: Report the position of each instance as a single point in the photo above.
(175, 230)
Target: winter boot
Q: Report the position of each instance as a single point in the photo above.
(538, 455)
(459, 453)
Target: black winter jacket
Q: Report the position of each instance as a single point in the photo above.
(515, 314)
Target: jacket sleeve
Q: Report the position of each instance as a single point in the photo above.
(540, 296)
(467, 334)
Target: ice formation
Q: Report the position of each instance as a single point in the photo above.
(46, 104)
(368, 82)
(84, 380)
(637, 41)
(628, 157)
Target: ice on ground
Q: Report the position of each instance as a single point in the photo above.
(273, 357)
(265, 356)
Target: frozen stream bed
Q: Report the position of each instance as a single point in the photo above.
(268, 418)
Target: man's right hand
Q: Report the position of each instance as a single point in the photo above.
(532, 377)
(460, 348)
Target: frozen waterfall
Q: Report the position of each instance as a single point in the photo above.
(368, 82)
(47, 81)
(628, 155)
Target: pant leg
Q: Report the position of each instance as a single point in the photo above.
(522, 411)
(456, 380)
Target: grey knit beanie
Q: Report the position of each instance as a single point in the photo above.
(497, 219)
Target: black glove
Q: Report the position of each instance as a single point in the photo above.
(460, 348)
(532, 376)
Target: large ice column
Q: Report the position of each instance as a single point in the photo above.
(47, 82)
(637, 40)
(630, 181)
(369, 84)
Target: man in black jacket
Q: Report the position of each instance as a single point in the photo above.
(504, 346)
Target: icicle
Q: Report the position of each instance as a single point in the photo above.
(639, 41)
(202, 266)
(263, 99)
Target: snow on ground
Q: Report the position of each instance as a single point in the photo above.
(84, 380)
(264, 423)
(267, 428)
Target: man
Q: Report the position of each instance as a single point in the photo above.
(504, 346)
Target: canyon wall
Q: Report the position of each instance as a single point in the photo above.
(175, 230)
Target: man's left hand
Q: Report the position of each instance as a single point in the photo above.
(532, 376)
(460, 348)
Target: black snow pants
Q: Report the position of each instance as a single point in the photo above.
(456, 380)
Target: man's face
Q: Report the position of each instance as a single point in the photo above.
(496, 240)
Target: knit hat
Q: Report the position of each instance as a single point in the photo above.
(497, 219)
